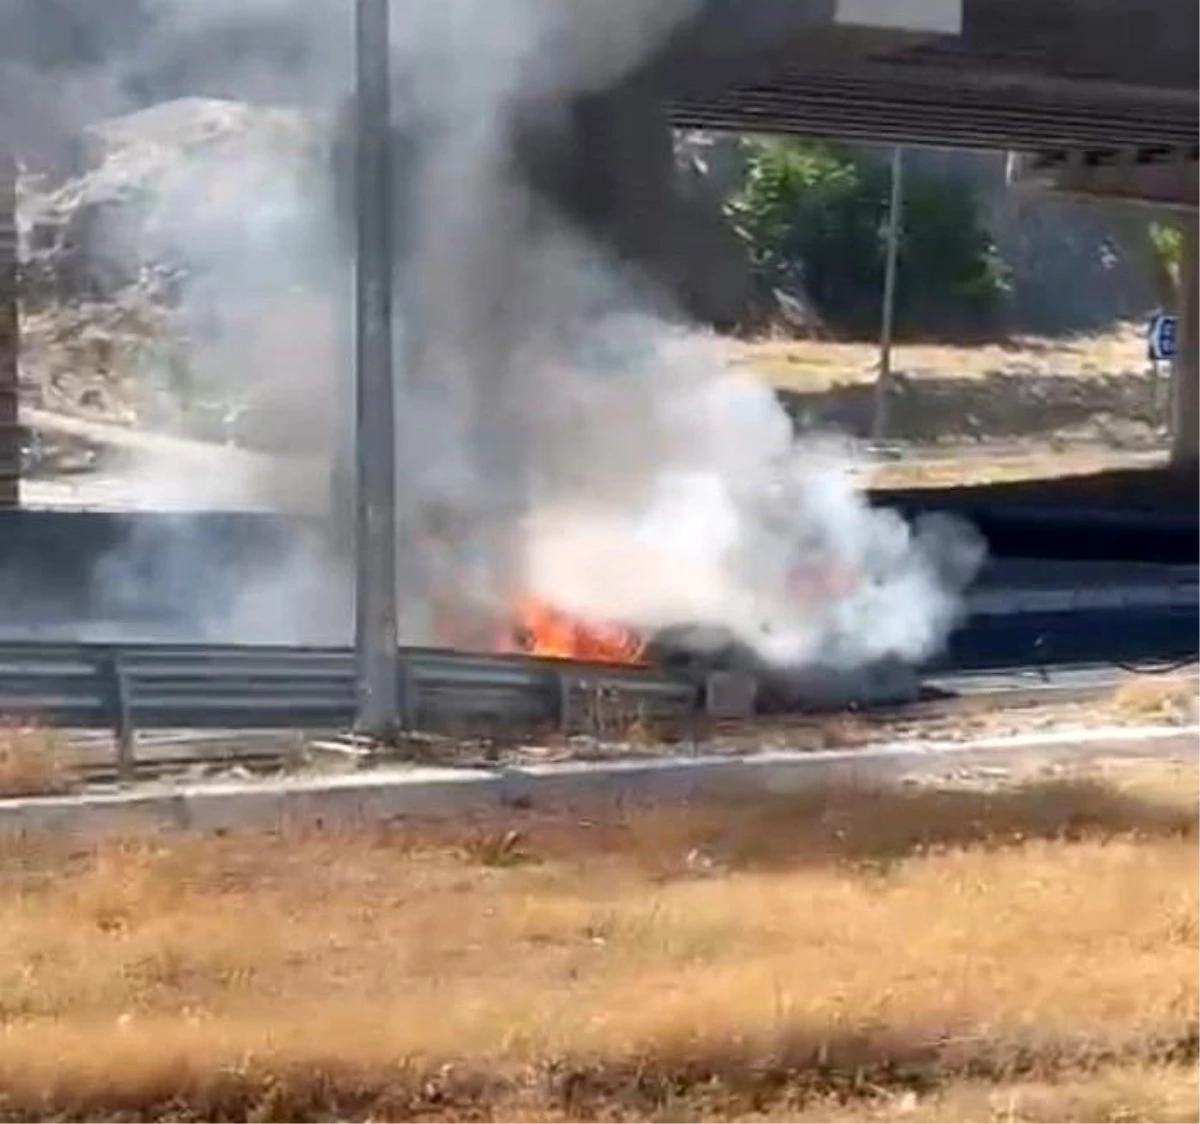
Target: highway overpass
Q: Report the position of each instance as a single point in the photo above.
(1103, 92)
(1014, 74)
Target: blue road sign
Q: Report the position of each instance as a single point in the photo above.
(1162, 337)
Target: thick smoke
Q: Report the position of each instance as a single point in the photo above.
(596, 452)
(652, 484)
(219, 199)
(564, 433)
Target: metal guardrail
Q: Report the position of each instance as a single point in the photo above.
(126, 688)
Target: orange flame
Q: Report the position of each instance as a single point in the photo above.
(546, 631)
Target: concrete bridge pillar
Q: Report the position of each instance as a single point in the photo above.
(10, 433)
(1185, 376)
(618, 179)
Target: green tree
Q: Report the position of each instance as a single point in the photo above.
(1167, 240)
(816, 213)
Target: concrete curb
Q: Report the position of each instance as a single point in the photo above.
(363, 799)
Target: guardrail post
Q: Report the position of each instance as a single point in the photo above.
(563, 689)
(407, 702)
(728, 695)
(124, 733)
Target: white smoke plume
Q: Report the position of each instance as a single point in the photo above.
(601, 456)
(582, 443)
(663, 487)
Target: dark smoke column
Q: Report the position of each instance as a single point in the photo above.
(376, 627)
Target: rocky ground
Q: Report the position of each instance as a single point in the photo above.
(164, 193)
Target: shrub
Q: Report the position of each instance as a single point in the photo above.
(816, 215)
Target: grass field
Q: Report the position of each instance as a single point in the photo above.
(923, 954)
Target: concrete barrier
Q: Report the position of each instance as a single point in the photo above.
(366, 799)
(73, 565)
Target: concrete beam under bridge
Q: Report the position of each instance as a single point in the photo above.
(1164, 179)
(943, 17)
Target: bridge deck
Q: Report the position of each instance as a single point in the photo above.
(1021, 74)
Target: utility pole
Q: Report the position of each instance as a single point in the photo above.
(376, 612)
(883, 384)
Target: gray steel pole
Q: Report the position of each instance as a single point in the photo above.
(10, 335)
(376, 628)
(879, 423)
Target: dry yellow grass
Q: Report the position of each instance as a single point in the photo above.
(1134, 1095)
(1113, 1094)
(1174, 698)
(970, 468)
(820, 364)
(839, 955)
(1047, 408)
(32, 762)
